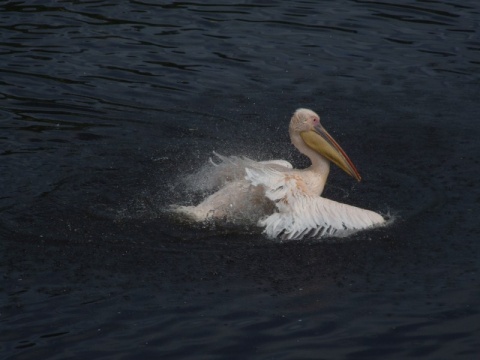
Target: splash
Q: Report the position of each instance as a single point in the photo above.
(231, 198)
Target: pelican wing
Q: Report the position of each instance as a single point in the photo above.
(302, 214)
(231, 168)
(227, 169)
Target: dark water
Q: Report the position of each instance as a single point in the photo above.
(105, 108)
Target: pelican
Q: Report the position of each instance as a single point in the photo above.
(285, 202)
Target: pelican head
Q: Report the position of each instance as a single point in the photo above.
(306, 123)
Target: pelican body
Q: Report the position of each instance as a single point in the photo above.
(286, 202)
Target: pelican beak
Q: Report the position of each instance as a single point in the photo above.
(320, 140)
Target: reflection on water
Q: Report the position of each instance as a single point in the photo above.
(107, 107)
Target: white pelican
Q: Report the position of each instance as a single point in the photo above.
(286, 202)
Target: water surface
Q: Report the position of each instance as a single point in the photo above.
(105, 109)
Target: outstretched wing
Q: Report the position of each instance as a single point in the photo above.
(301, 214)
(230, 168)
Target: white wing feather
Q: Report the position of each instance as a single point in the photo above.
(301, 214)
(231, 168)
(234, 163)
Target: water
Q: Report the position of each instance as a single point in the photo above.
(106, 107)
